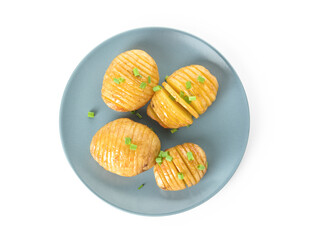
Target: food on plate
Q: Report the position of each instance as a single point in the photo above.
(129, 80)
(167, 112)
(180, 167)
(125, 147)
(188, 91)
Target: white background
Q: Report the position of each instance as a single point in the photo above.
(41, 44)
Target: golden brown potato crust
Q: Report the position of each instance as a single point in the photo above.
(171, 107)
(109, 149)
(128, 95)
(166, 173)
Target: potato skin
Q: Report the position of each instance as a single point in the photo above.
(167, 112)
(166, 174)
(205, 92)
(178, 112)
(108, 147)
(128, 96)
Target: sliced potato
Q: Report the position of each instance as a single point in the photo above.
(180, 100)
(109, 149)
(205, 92)
(122, 90)
(170, 113)
(166, 173)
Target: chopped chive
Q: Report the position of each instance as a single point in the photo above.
(116, 80)
(160, 154)
(143, 85)
(189, 125)
(181, 94)
(133, 147)
(180, 175)
(141, 186)
(186, 98)
(165, 154)
(171, 97)
(136, 72)
(121, 79)
(91, 114)
(192, 98)
(139, 115)
(174, 130)
(127, 140)
(149, 79)
(156, 88)
(200, 167)
(166, 77)
(169, 158)
(188, 85)
(190, 156)
(201, 79)
(159, 160)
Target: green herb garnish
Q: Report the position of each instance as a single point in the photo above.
(181, 94)
(141, 186)
(159, 160)
(156, 88)
(137, 114)
(171, 97)
(149, 79)
(127, 140)
(143, 85)
(116, 80)
(136, 72)
(188, 85)
(192, 98)
(160, 154)
(200, 167)
(189, 125)
(91, 114)
(166, 77)
(133, 147)
(174, 130)
(190, 156)
(201, 79)
(169, 158)
(186, 98)
(164, 154)
(180, 175)
(121, 79)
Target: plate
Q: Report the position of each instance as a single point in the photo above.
(222, 131)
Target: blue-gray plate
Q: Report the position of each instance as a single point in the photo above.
(222, 131)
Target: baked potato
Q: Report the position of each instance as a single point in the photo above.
(167, 112)
(125, 147)
(191, 89)
(128, 81)
(180, 167)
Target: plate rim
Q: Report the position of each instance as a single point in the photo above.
(224, 183)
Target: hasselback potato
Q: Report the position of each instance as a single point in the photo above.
(180, 167)
(128, 81)
(125, 147)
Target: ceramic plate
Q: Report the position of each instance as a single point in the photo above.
(222, 131)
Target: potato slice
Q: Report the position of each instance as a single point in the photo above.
(122, 90)
(205, 92)
(154, 116)
(166, 173)
(170, 113)
(180, 100)
(109, 149)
